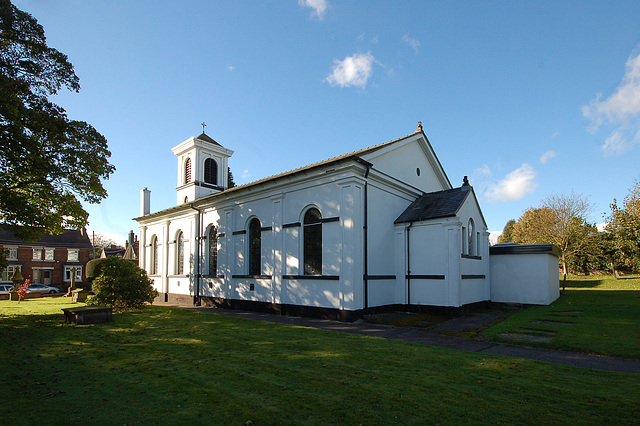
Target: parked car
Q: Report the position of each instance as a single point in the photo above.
(41, 288)
(5, 288)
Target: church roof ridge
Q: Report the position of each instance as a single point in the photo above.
(344, 157)
(349, 155)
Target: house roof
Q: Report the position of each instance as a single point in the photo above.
(206, 138)
(352, 156)
(435, 205)
(71, 238)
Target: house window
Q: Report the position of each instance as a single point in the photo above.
(180, 253)
(153, 270)
(48, 254)
(210, 171)
(254, 247)
(68, 270)
(187, 171)
(12, 253)
(37, 254)
(471, 236)
(312, 236)
(72, 255)
(7, 273)
(212, 239)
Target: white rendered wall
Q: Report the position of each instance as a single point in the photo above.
(524, 278)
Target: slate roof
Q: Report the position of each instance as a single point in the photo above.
(71, 238)
(204, 137)
(435, 205)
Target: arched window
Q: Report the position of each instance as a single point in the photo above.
(210, 171)
(187, 171)
(212, 239)
(180, 253)
(153, 269)
(255, 266)
(312, 235)
(471, 236)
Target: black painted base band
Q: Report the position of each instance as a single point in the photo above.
(317, 312)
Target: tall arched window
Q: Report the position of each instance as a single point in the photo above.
(154, 255)
(255, 266)
(180, 253)
(210, 171)
(471, 236)
(212, 239)
(187, 171)
(312, 235)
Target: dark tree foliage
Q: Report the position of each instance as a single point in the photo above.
(3, 260)
(230, 182)
(122, 285)
(48, 163)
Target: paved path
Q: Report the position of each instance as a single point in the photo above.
(415, 335)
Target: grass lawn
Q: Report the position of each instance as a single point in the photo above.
(171, 366)
(596, 314)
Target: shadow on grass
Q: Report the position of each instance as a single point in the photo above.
(583, 283)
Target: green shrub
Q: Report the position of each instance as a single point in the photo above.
(122, 285)
(93, 268)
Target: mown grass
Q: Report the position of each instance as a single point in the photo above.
(171, 366)
(596, 314)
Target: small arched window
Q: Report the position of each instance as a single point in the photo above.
(312, 237)
(255, 266)
(212, 239)
(471, 236)
(210, 171)
(187, 171)
(180, 253)
(153, 269)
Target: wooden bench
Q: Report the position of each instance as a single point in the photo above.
(88, 315)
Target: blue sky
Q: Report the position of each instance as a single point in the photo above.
(527, 98)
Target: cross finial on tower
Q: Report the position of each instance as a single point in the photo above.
(203, 126)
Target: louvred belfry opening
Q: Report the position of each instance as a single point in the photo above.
(187, 171)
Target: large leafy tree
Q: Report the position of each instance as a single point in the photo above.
(48, 163)
(624, 227)
(507, 232)
(562, 221)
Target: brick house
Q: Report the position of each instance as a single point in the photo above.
(50, 260)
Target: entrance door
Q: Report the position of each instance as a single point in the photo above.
(46, 274)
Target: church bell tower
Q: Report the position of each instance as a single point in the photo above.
(203, 168)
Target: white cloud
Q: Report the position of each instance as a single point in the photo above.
(514, 186)
(412, 42)
(602, 226)
(547, 156)
(319, 7)
(620, 110)
(617, 144)
(493, 237)
(354, 70)
(230, 68)
(245, 174)
(623, 104)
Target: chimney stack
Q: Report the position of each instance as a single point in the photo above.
(145, 202)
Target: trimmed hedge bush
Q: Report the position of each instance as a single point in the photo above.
(93, 268)
(122, 285)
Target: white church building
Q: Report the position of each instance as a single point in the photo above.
(379, 228)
